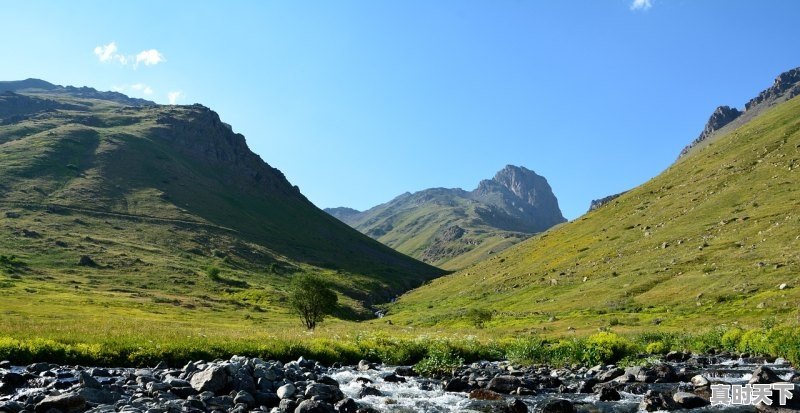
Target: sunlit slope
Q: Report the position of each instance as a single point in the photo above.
(707, 241)
(111, 212)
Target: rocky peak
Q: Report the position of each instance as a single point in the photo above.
(722, 116)
(597, 203)
(523, 183)
(520, 193)
(787, 85)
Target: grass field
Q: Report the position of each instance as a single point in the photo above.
(707, 242)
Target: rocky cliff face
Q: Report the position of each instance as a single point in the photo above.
(521, 194)
(597, 203)
(453, 227)
(785, 87)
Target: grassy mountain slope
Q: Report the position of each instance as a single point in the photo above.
(708, 241)
(452, 228)
(111, 215)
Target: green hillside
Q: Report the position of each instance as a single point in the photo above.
(113, 215)
(708, 241)
(452, 228)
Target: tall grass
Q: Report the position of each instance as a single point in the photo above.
(431, 355)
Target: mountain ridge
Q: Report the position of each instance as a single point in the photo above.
(120, 199)
(451, 227)
(720, 222)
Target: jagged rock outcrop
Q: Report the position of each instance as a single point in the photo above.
(440, 224)
(597, 203)
(785, 87)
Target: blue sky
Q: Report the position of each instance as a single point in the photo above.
(360, 101)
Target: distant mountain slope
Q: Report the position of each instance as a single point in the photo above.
(713, 239)
(451, 228)
(123, 202)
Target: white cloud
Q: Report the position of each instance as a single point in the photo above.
(173, 97)
(110, 53)
(149, 57)
(141, 87)
(641, 4)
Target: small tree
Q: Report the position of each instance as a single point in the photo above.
(312, 298)
(479, 316)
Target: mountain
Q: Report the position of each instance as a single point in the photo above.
(725, 119)
(119, 206)
(451, 228)
(711, 240)
(41, 86)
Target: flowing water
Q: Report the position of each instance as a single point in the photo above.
(421, 395)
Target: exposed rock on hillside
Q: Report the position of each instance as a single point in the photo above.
(454, 227)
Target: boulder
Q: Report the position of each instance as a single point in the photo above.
(212, 379)
(689, 400)
(655, 400)
(314, 406)
(368, 391)
(347, 405)
(764, 375)
(504, 384)
(610, 374)
(324, 392)
(485, 394)
(700, 381)
(67, 403)
(286, 391)
(608, 394)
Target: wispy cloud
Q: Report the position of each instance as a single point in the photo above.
(110, 53)
(641, 4)
(149, 57)
(173, 97)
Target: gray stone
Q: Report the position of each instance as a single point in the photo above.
(67, 403)
(347, 405)
(286, 391)
(368, 391)
(700, 381)
(245, 398)
(764, 375)
(324, 392)
(98, 396)
(314, 406)
(608, 394)
(689, 400)
(88, 381)
(610, 374)
(211, 379)
(656, 400)
(504, 384)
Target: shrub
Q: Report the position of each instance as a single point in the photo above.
(527, 351)
(657, 347)
(479, 317)
(730, 339)
(604, 348)
(440, 361)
